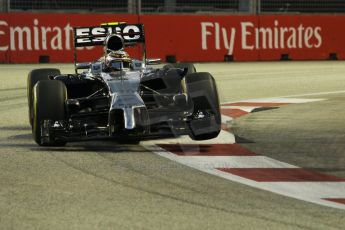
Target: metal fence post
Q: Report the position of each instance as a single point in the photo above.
(254, 6)
(138, 7)
(169, 5)
(244, 6)
(4, 5)
(131, 6)
(258, 6)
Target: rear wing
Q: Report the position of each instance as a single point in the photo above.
(96, 35)
(131, 34)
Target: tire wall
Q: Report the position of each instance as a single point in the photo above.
(34, 37)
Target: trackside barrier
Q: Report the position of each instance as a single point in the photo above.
(33, 37)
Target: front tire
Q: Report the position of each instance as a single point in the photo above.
(48, 105)
(205, 122)
(35, 76)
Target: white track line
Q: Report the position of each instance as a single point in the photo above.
(213, 162)
(223, 138)
(277, 100)
(247, 109)
(316, 191)
(317, 94)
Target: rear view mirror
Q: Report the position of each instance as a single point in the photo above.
(83, 65)
(153, 61)
(137, 65)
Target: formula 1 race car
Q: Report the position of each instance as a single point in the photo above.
(118, 97)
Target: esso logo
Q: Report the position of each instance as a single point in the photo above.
(126, 32)
(98, 34)
(91, 31)
(131, 29)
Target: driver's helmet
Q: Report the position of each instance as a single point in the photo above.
(117, 60)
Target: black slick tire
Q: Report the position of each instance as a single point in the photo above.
(48, 104)
(202, 90)
(35, 76)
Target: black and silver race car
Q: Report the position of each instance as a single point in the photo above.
(121, 98)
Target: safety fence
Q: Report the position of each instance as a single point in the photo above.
(131, 6)
(37, 37)
(179, 6)
(302, 6)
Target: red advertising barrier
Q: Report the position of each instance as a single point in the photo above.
(197, 38)
(31, 38)
(26, 37)
(302, 37)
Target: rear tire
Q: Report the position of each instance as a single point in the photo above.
(202, 90)
(48, 104)
(35, 76)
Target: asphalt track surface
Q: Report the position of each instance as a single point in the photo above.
(107, 185)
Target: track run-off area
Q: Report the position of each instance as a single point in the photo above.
(279, 162)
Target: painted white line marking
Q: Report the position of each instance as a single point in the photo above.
(232, 161)
(316, 94)
(315, 192)
(223, 138)
(277, 100)
(247, 109)
(226, 119)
